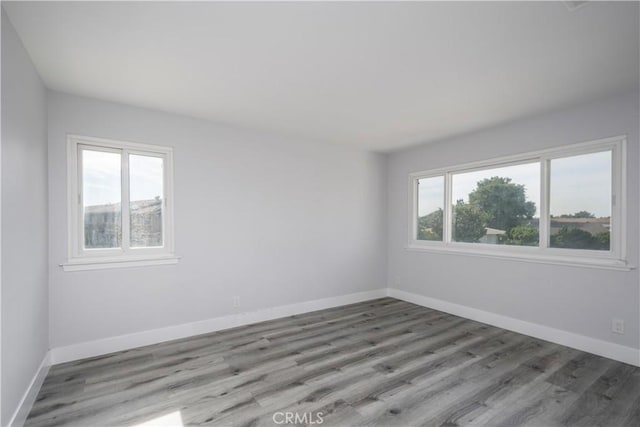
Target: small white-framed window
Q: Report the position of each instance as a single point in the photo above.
(563, 205)
(120, 204)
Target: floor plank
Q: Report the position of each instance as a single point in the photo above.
(380, 363)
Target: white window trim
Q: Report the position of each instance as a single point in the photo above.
(81, 259)
(614, 259)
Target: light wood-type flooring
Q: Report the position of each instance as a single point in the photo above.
(383, 362)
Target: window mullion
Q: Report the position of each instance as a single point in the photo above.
(414, 216)
(79, 202)
(163, 206)
(125, 202)
(545, 190)
(447, 222)
(618, 172)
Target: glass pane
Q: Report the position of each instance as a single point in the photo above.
(430, 208)
(101, 184)
(497, 206)
(146, 196)
(580, 204)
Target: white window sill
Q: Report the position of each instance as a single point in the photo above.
(572, 261)
(98, 263)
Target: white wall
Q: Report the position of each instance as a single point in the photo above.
(25, 311)
(577, 300)
(272, 220)
(241, 232)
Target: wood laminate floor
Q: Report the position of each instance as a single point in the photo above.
(378, 363)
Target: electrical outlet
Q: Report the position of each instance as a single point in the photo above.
(236, 301)
(617, 326)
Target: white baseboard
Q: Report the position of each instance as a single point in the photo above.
(29, 396)
(154, 336)
(580, 342)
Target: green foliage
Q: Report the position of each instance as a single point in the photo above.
(575, 238)
(525, 235)
(503, 202)
(602, 240)
(430, 226)
(469, 223)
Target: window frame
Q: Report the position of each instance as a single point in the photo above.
(80, 258)
(615, 258)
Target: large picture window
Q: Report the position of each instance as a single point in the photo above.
(560, 205)
(120, 204)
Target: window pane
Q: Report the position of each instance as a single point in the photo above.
(101, 184)
(146, 195)
(497, 206)
(430, 208)
(580, 204)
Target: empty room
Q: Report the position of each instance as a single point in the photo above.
(341, 214)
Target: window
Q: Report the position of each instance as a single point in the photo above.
(120, 204)
(494, 205)
(430, 208)
(562, 205)
(580, 204)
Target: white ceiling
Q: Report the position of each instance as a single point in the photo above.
(377, 75)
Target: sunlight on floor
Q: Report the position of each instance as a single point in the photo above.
(170, 420)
